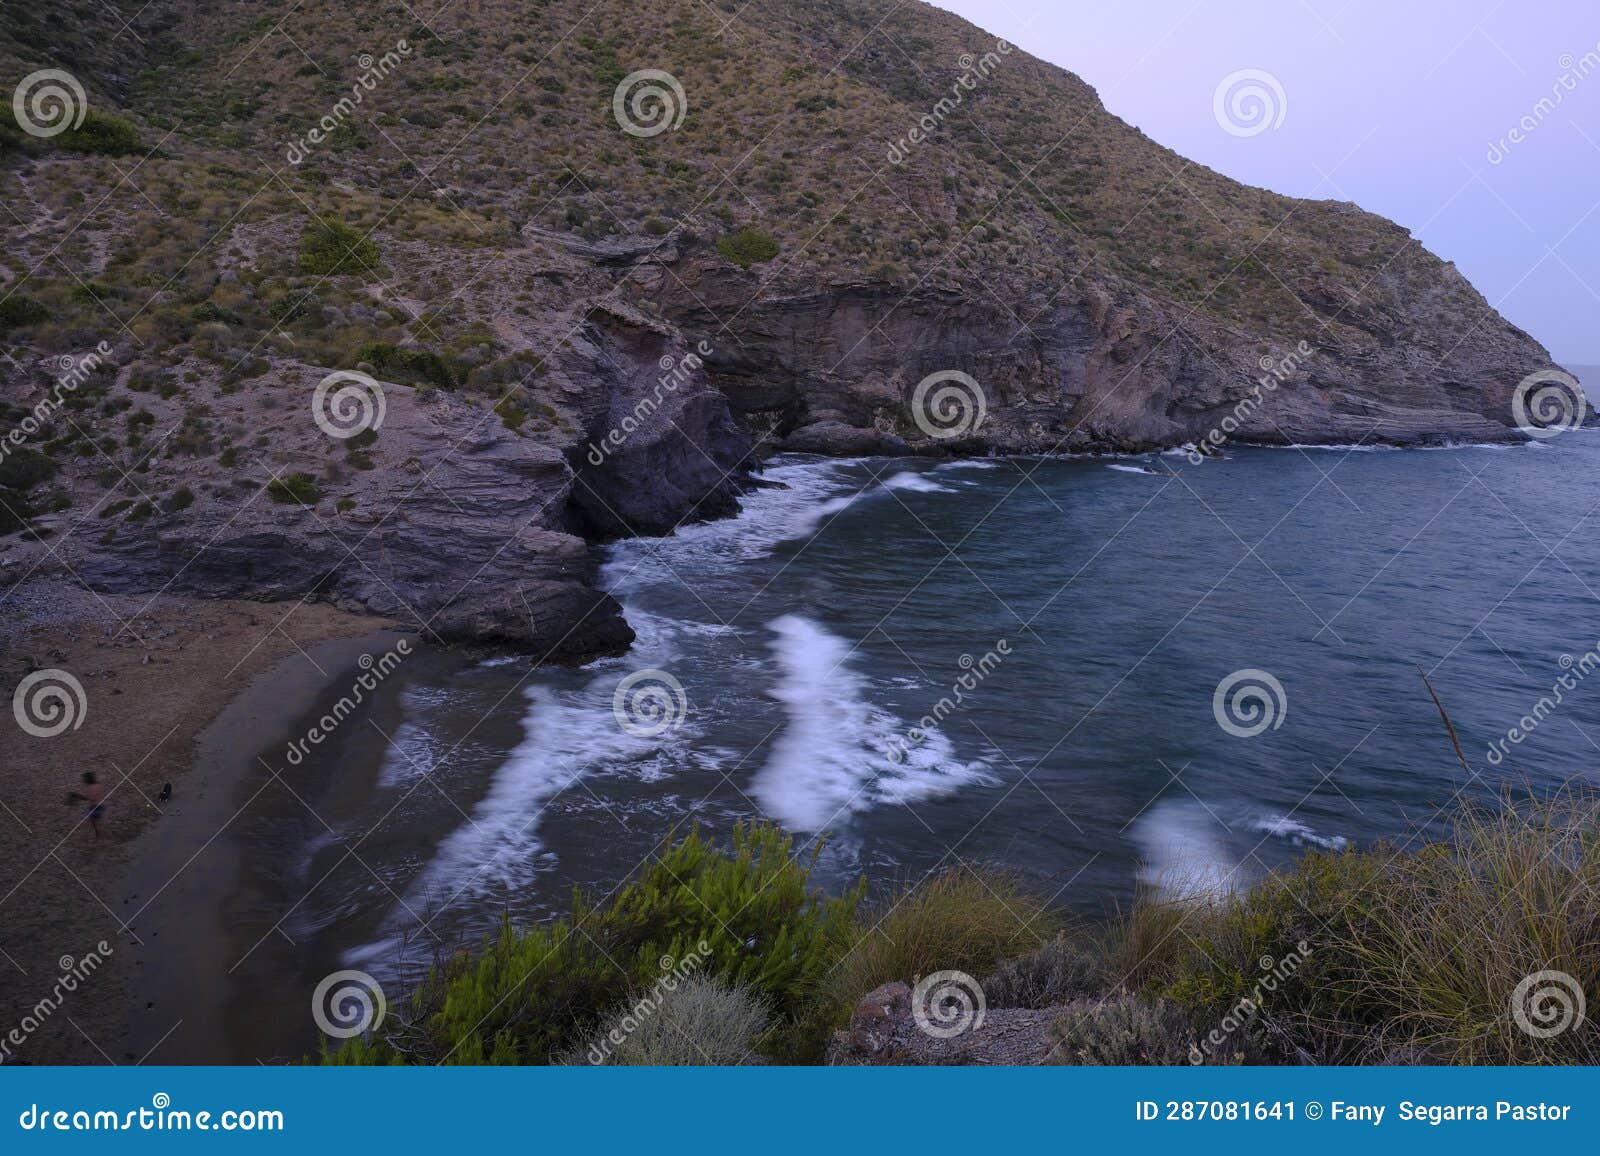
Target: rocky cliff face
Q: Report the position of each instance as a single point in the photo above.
(1108, 369)
(581, 331)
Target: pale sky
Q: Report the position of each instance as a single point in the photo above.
(1393, 104)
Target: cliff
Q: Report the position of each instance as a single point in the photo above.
(587, 301)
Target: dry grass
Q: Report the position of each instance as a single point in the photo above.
(960, 920)
(1414, 956)
(703, 1021)
(1436, 953)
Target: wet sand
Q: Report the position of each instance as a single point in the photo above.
(156, 674)
(184, 879)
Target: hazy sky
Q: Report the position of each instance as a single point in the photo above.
(1393, 104)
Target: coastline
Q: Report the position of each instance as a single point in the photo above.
(160, 675)
(183, 877)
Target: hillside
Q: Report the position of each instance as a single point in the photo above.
(478, 230)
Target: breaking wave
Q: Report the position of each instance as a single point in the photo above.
(836, 754)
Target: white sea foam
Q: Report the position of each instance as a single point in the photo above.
(1183, 853)
(1293, 831)
(564, 741)
(918, 483)
(568, 736)
(835, 756)
(805, 496)
(1329, 448)
(1135, 469)
(416, 746)
(967, 464)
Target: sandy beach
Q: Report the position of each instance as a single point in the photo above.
(156, 675)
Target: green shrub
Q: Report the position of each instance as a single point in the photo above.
(89, 293)
(746, 914)
(103, 134)
(704, 1020)
(297, 488)
(406, 365)
(512, 415)
(22, 469)
(748, 247)
(329, 247)
(14, 513)
(1357, 957)
(292, 306)
(18, 310)
(180, 499)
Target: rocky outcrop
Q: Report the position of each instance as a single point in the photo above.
(466, 529)
(837, 371)
(459, 537)
(883, 1030)
(661, 446)
(604, 343)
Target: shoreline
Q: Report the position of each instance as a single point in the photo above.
(156, 673)
(184, 875)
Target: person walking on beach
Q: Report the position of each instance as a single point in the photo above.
(95, 797)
